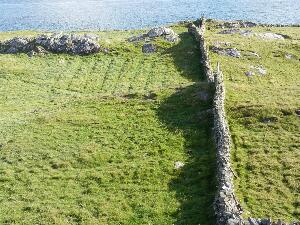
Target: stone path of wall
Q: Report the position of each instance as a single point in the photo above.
(198, 33)
(228, 211)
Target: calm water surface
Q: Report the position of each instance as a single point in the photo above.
(125, 14)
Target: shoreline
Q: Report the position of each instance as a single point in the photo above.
(171, 24)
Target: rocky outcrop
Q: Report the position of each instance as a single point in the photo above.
(168, 34)
(57, 43)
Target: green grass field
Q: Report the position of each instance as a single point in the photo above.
(265, 155)
(94, 139)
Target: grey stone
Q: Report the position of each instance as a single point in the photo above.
(288, 56)
(69, 43)
(231, 31)
(172, 38)
(12, 50)
(31, 53)
(253, 221)
(233, 221)
(19, 43)
(255, 54)
(260, 69)
(270, 36)
(178, 165)
(160, 31)
(221, 43)
(266, 222)
(246, 33)
(137, 38)
(149, 48)
(268, 120)
(58, 43)
(233, 52)
(237, 24)
(249, 73)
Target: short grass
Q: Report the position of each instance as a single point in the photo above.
(265, 155)
(94, 139)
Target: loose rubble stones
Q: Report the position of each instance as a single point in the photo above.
(236, 24)
(57, 43)
(232, 52)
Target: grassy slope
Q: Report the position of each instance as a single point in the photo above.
(265, 156)
(85, 141)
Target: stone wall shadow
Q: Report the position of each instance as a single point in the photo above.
(195, 185)
(186, 56)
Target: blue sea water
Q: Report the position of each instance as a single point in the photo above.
(124, 14)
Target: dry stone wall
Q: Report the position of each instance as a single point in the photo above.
(228, 211)
(198, 33)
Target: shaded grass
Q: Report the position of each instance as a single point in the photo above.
(93, 140)
(263, 122)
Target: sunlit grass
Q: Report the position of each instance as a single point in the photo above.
(94, 139)
(265, 155)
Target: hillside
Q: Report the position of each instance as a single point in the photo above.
(262, 105)
(102, 139)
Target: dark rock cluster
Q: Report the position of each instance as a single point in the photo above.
(237, 24)
(233, 52)
(148, 48)
(57, 43)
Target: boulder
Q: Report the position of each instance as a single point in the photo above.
(249, 73)
(160, 31)
(167, 33)
(17, 44)
(149, 48)
(172, 38)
